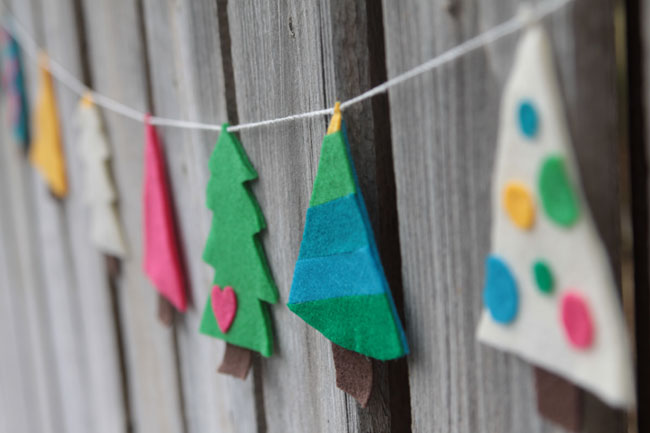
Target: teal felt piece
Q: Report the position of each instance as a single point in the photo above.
(339, 286)
(334, 227)
(528, 119)
(14, 84)
(335, 276)
(500, 295)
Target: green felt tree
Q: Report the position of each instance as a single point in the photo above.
(236, 310)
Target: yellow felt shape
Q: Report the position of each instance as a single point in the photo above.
(519, 204)
(46, 152)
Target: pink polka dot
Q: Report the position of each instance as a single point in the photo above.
(576, 318)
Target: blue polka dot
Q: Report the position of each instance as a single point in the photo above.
(500, 293)
(528, 119)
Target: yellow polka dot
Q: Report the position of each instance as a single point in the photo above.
(519, 204)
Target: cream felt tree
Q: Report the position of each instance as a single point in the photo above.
(99, 191)
(550, 295)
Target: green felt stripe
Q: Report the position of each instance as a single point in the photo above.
(364, 324)
(335, 177)
(251, 327)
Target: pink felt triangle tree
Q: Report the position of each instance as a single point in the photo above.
(161, 253)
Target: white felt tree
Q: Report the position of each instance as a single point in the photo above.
(99, 192)
(549, 293)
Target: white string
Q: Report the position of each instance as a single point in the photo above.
(518, 22)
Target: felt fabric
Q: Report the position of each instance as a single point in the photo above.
(335, 227)
(543, 276)
(113, 266)
(339, 286)
(500, 295)
(528, 119)
(99, 192)
(14, 83)
(335, 179)
(519, 204)
(577, 321)
(224, 306)
(162, 261)
(335, 276)
(165, 311)
(575, 254)
(558, 400)
(353, 374)
(236, 361)
(357, 323)
(46, 152)
(234, 250)
(556, 193)
(337, 119)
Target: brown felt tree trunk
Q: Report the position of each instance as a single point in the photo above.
(558, 400)
(165, 311)
(353, 373)
(236, 361)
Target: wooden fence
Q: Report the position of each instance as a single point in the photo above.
(82, 348)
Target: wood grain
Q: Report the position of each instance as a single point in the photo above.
(118, 68)
(290, 57)
(88, 354)
(187, 82)
(44, 264)
(102, 389)
(444, 127)
(17, 387)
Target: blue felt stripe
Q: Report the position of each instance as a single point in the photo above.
(334, 227)
(339, 232)
(350, 274)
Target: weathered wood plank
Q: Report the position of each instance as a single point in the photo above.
(60, 291)
(30, 296)
(26, 294)
(290, 57)
(102, 388)
(444, 128)
(16, 388)
(117, 63)
(278, 68)
(187, 82)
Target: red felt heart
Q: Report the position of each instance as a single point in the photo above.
(224, 306)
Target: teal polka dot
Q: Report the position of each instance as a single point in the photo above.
(500, 294)
(528, 119)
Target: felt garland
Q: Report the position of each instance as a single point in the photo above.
(14, 83)
(549, 292)
(236, 310)
(99, 191)
(46, 152)
(536, 13)
(339, 286)
(162, 261)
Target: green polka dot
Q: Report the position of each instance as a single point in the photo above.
(543, 276)
(558, 198)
